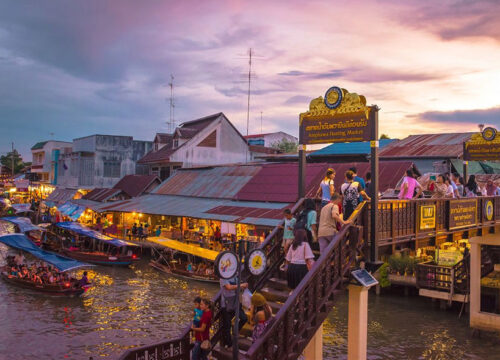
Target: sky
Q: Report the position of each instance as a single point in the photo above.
(71, 69)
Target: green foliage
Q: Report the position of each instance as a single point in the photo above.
(285, 146)
(6, 160)
(384, 137)
(384, 276)
(403, 265)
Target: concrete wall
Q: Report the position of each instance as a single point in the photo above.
(230, 147)
(47, 170)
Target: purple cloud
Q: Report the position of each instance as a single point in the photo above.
(473, 117)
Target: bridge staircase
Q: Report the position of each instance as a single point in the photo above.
(297, 316)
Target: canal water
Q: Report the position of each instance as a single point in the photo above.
(138, 305)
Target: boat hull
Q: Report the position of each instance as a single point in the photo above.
(181, 274)
(48, 289)
(97, 259)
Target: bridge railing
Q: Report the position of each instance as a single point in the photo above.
(307, 307)
(179, 348)
(400, 220)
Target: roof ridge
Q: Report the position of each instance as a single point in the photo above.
(200, 119)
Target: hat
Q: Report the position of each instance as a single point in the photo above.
(258, 299)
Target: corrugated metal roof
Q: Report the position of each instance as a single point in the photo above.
(135, 185)
(60, 196)
(428, 145)
(354, 148)
(222, 182)
(90, 204)
(201, 208)
(101, 194)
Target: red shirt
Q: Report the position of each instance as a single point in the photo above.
(206, 318)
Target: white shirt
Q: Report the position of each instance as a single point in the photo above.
(450, 191)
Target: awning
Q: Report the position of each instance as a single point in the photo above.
(187, 248)
(20, 208)
(85, 231)
(71, 210)
(23, 223)
(21, 242)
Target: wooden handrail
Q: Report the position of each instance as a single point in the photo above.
(286, 313)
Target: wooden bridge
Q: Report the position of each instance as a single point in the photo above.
(410, 224)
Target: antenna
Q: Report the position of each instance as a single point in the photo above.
(171, 122)
(261, 122)
(249, 81)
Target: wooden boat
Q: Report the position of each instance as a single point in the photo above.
(71, 288)
(24, 225)
(184, 260)
(84, 244)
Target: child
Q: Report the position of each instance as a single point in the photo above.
(197, 312)
(287, 232)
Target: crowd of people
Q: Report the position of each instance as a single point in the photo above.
(38, 272)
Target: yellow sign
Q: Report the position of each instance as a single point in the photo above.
(488, 210)
(427, 217)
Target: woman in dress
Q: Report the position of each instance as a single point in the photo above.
(202, 333)
(260, 315)
(440, 188)
(299, 259)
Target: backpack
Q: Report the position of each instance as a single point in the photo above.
(301, 220)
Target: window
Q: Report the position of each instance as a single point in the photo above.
(112, 169)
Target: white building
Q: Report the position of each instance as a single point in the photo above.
(270, 139)
(211, 140)
(45, 156)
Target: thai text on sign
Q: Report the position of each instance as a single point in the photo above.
(341, 128)
(463, 213)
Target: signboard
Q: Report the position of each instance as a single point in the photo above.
(427, 216)
(339, 117)
(488, 210)
(364, 278)
(463, 213)
(448, 257)
(483, 146)
(22, 185)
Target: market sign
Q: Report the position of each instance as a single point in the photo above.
(483, 146)
(427, 215)
(339, 117)
(463, 213)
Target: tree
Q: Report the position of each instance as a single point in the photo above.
(6, 160)
(384, 137)
(285, 146)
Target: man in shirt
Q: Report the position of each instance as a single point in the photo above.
(453, 183)
(359, 180)
(229, 288)
(328, 219)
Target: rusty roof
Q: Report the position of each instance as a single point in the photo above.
(101, 194)
(189, 129)
(157, 156)
(221, 182)
(427, 146)
(135, 185)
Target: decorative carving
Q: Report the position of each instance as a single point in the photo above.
(352, 103)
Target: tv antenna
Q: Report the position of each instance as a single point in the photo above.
(249, 82)
(261, 122)
(171, 122)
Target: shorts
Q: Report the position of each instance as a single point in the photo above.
(286, 242)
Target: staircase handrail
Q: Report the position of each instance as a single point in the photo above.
(256, 351)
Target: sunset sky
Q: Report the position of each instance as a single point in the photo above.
(76, 68)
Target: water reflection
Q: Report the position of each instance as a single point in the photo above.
(136, 306)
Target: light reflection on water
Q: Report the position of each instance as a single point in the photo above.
(137, 306)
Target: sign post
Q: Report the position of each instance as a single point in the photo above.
(342, 117)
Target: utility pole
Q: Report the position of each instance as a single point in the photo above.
(12, 154)
(249, 81)
(171, 123)
(261, 122)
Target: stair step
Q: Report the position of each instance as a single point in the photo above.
(276, 283)
(246, 330)
(221, 353)
(275, 307)
(244, 343)
(274, 294)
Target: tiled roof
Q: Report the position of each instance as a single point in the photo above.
(101, 194)
(157, 156)
(427, 145)
(164, 138)
(189, 129)
(135, 185)
(39, 145)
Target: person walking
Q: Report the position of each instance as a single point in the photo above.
(351, 190)
(260, 315)
(359, 180)
(299, 259)
(408, 187)
(307, 221)
(229, 289)
(326, 187)
(202, 344)
(288, 226)
(328, 219)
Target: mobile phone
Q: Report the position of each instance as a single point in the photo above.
(433, 177)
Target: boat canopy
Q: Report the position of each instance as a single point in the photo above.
(187, 248)
(21, 242)
(85, 231)
(73, 211)
(20, 208)
(23, 223)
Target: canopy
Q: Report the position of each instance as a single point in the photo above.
(71, 210)
(21, 208)
(23, 223)
(85, 231)
(187, 248)
(21, 242)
